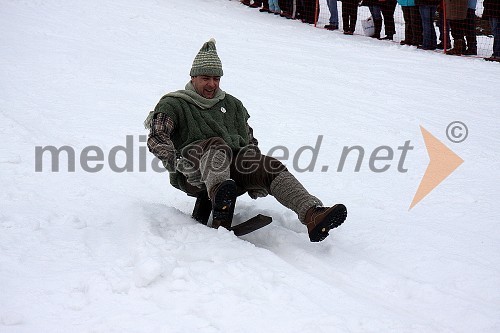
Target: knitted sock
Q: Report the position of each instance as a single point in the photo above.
(214, 168)
(291, 194)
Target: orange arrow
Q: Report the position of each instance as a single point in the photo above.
(442, 163)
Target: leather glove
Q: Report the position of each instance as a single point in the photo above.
(187, 168)
(257, 193)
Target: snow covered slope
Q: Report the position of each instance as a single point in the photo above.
(114, 251)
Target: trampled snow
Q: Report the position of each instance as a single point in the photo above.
(109, 251)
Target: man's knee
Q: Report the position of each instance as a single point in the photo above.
(196, 150)
(217, 143)
(273, 166)
(249, 162)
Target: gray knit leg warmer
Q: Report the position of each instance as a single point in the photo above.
(214, 168)
(291, 194)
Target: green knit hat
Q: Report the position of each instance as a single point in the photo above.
(207, 61)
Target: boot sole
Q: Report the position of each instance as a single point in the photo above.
(334, 219)
(223, 205)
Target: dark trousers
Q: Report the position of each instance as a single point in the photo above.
(248, 168)
(286, 6)
(470, 29)
(385, 10)
(388, 9)
(427, 14)
(457, 29)
(413, 25)
(307, 10)
(349, 15)
(495, 29)
(262, 3)
(444, 29)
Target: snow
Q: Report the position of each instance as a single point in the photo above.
(117, 251)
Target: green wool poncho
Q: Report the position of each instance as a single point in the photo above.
(196, 118)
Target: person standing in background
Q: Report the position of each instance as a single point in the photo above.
(470, 28)
(334, 15)
(413, 23)
(274, 7)
(388, 7)
(349, 16)
(456, 13)
(492, 13)
(379, 8)
(287, 8)
(427, 9)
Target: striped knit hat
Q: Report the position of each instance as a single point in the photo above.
(207, 61)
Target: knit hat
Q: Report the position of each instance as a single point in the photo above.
(207, 61)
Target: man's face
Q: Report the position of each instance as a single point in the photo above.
(206, 86)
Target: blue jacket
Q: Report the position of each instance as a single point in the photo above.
(410, 3)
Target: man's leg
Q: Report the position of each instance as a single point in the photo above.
(345, 17)
(495, 28)
(354, 16)
(387, 10)
(252, 170)
(213, 158)
(416, 23)
(444, 31)
(377, 20)
(319, 220)
(429, 34)
(470, 32)
(408, 40)
(457, 32)
(257, 171)
(334, 15)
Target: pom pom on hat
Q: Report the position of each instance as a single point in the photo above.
(207, 61)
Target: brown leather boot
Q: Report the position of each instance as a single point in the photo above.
(320, 220)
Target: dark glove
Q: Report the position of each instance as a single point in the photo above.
(188, 169)
(257, 193)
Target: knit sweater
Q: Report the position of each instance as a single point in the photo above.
(186, 121)
(227, 119)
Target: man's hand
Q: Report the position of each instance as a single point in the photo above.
(188, 169)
